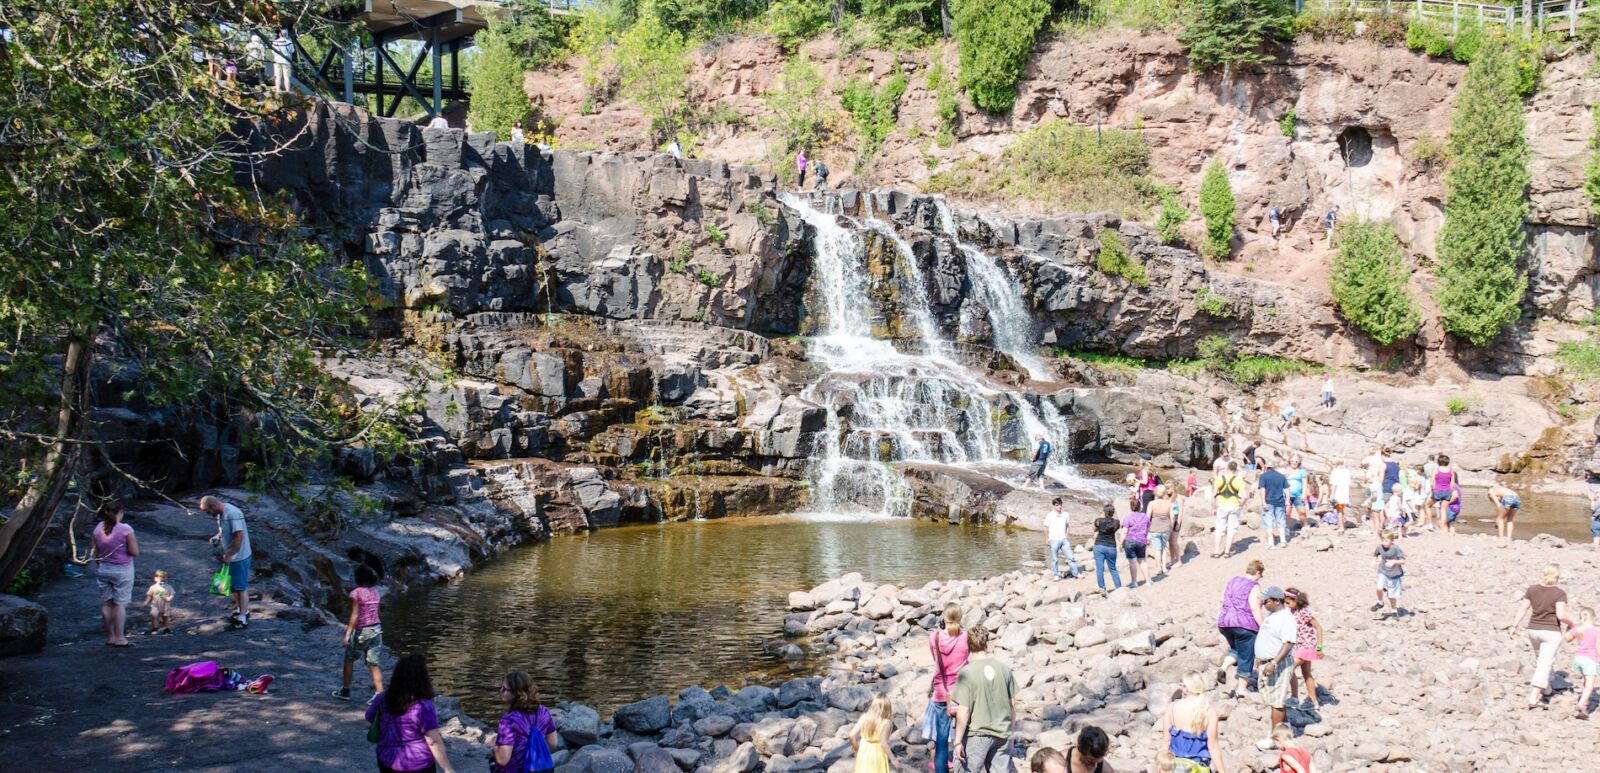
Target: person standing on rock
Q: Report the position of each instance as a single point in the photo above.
(408, 724)
(1586, 661)
(1299, 493)
(526, 722)
(1506, 505)
(1307, 643)
(1105, 547)
(1135, 545)
(1274, 670)
(1274, 485)
(363, 634)
(1327, 390)
(1041, 459)
(800, 168)
(1594, 517)
(1193, 728)
(1240, 620)
(1339, 482)
(234, 538)
(1445, 482)
(950, 654)
(822, 175)
(1544, 606)
(1147, 481)
(1163, 525)
(1055, 525)
(1391, 573)
(985, 696)
(115, 547)
(1372, 465)
(870, 734)
(1227, 492)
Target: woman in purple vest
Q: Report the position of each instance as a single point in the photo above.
(1240, 620)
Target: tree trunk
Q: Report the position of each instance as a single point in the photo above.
(944, 17)
(26, 527)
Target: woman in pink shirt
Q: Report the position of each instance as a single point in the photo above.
(115, 547)
(949, 647)
(363, 636)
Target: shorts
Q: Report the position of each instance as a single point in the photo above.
(366, 644)
(1307, 654)
(1135, 551)
(1160, 542)
(1037, 470)
(1594, 527)
(115, 582)
(1274, 517)
(239, 574)
(1441, 496)
(1299, 501)
(1250, 466)
(1585, 666)
(1274, 689)
(1227, 518)
(1511, 502)
(1390, 585)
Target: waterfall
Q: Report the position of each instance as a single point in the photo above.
(993, 288)
(886, 407)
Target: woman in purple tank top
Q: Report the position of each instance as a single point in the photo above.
(1239, 621)
(1444, 484)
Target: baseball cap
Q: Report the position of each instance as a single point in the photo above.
(1273, 592)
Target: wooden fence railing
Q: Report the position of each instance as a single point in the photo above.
(1547, 15)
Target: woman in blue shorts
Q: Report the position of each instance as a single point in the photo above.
(1506, 504)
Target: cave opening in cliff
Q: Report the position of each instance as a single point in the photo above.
(1355, 146)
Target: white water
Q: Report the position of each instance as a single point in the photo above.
(1009, 319)
(885, 406)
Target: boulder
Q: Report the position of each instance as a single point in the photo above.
(743, 760)
(714, 726)
(578, 724)
(650, 715)
(598, 759)
(771, 736)
(851, 698)
(23, 625)
(694, 703)
(800, 601)
(756, 698)
(654, 760)
(797, 690)
(1140, 643)
(1089, 636)
(878, 608)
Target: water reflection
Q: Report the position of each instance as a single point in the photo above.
(622, 614)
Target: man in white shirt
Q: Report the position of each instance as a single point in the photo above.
(438, 122)
(1339, 479)
(1055, 525)
(1274, 670)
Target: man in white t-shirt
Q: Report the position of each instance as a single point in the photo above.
(438, 122)
(1274, 668)
(1055, 526)
(1339, 480)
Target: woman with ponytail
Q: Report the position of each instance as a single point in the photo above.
(115, 547)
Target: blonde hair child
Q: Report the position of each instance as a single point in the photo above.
(1586, 660)
(1291, 757)
(867, 737)
(158, 599)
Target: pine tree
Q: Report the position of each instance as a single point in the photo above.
(498, 101)
(1234, 33)
(995, 38)
(1480, 288)
(1217, 207)
(1369, 282)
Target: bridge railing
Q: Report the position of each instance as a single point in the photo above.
(1548, 15)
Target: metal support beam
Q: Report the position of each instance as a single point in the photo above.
(438, 75)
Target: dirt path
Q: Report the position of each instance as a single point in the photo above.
(86, 706)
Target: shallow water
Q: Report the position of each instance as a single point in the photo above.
(1564, 515)
(622, 614)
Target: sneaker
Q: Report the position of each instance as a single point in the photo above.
(1264, 744)
(342, 693)
(238, 623)
(1378, 606)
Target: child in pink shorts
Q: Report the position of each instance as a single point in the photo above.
(1307, 642)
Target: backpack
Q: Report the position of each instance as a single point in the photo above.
(1229, 487)
(822, 170)
(195, 677)
(537, 758)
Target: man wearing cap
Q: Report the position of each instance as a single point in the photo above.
(1274, 671)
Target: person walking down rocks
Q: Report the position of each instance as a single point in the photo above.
(1240, 620)
(1105, 547)
(822, 175)
(1327, 390)
(985, 696)
(1586, 661)
(1274, 670)
(1391, 573)
(1055, 525)
(525, 727)
(234, 539)
(1135, 546)
(1307, 643)
(1299, 493)
(1042, 449)
(1544, 607)
(115, 547)
(408, 724)
(870, 734)
(1193, 731)
(1228, 491)
(950, 654)
(1506, 504)
(363, 634)
(1088, 753)
(1163, 526)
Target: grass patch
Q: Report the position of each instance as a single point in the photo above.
(1580, 358)
(1457, 405)
(763, 214)
(1212, 303)
(709, 279)
(1063, 168)
(1107, 361)
(1249, 371)
(1113, 260)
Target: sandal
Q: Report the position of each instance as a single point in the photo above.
(124, 645)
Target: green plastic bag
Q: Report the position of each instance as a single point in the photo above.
(222, 582)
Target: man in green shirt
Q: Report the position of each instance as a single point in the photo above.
(984, 695)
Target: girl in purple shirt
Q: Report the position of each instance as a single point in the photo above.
(517, 726)
(408, 724)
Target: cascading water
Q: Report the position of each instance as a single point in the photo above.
(886, 406)
(992, 288)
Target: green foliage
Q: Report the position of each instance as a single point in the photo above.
(1526, 54)
(1368, 282)
(792, 111)
(1591, 182)
(1457, 405)
(1480, 287)
(1169, 223)
(1142, 15)
(1429, 151)
(1212, 303)
(1387, 29)
(709, 279)
(1252, 370)
(1112, 361)
(678, 265)
(763, 214)
(995, 38)
(1286, 124)
(946, 104)
(873, 110)
(700, 19)
(1424, 37)
(795, 21)
(901, 23)
(124, 228)
(1234, 33)
(1214, 348)
(1217, 207)
(1113, 259)
(26, 583)
(1063, 167)
(716, 233)
(1468, 41)
(653, 70)
(522, 36)
(1580, 358)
